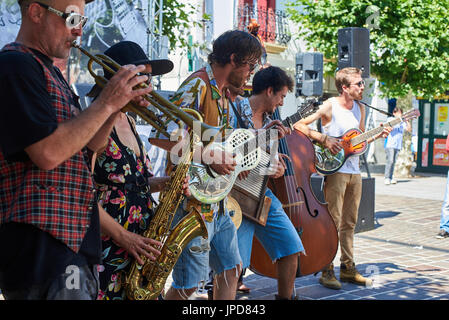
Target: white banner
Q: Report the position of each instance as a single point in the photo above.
(110, 21)
(10, 20)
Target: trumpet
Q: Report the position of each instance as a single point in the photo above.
(167, 108)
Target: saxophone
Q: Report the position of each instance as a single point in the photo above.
(145, 282)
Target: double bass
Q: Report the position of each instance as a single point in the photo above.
(309, 216)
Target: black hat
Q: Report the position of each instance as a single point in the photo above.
(128, 52)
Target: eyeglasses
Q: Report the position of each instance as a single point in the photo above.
(252, 65)
(359, 84)
(72, 19)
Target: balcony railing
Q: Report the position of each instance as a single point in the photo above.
(273, 23)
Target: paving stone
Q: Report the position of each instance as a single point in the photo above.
(402, 251)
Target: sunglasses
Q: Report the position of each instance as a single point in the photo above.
(359, 84)
(72, 19)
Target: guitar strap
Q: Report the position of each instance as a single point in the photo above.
(241, 125)
(237, 114)
(319, 127)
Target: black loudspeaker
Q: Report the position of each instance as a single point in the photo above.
(353, 49)
(365, 220)
(309, 74)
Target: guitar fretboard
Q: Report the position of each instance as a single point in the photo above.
(253, 143)
(304, 112)
(292, 119)
(371, 133)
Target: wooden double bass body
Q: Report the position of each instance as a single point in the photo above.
(310, 217)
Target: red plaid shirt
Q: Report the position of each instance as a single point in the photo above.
(58, 201)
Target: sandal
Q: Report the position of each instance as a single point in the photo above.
(242, 288)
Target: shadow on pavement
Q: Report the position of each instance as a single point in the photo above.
(391, 282)
(383, 215)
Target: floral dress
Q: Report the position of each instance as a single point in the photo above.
(121, 179)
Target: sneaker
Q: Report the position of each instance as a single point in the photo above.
(328, 278)
(442, 234)
(349, 273)
(393, 181)
(387, 181)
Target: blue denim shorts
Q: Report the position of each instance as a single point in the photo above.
(219, 252)
(279, 237)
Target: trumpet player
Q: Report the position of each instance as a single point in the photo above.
(49, 222)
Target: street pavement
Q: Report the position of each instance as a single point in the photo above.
(401, 254)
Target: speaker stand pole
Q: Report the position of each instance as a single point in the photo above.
(365, 162)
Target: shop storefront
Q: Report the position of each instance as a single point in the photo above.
(433, 128)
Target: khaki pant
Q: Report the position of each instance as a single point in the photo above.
(343, 192)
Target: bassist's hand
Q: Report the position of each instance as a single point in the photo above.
(277, 124)
(278, 168)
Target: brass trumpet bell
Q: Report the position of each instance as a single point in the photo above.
(167, 108)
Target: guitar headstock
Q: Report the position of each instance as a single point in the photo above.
(309, 108)
(409, 115)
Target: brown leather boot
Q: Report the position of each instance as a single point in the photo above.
(349, 273)
(328, 278)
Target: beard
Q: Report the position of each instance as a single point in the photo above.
(236, 79)
(357, 96)
(58, 49)
(62, 52)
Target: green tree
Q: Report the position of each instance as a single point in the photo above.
(409, 39)
(178, 18)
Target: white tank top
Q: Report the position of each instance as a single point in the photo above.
(343, 120)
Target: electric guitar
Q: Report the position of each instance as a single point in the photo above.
(209, 187)
(354, 143)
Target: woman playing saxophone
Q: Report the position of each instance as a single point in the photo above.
(125, 183)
